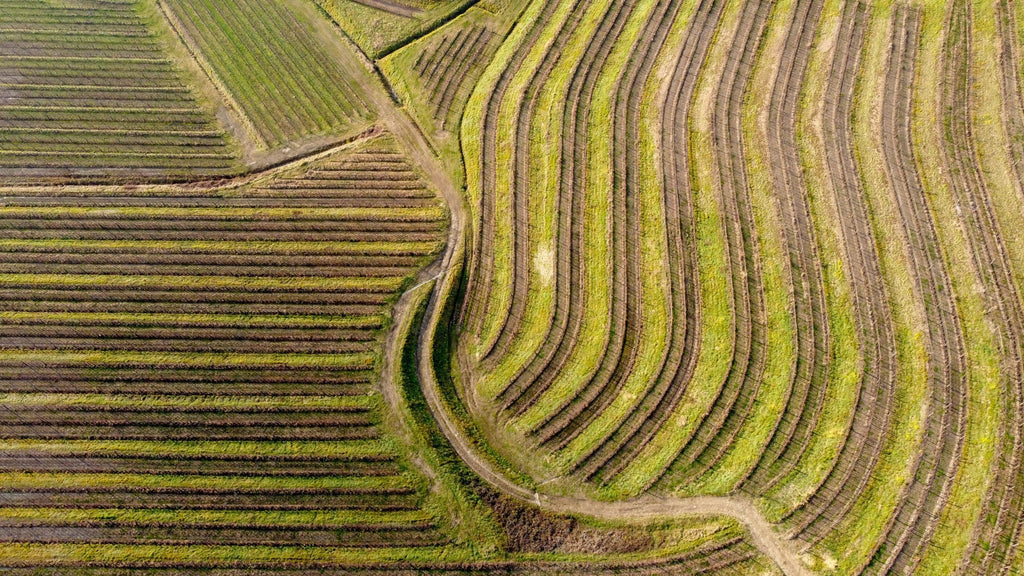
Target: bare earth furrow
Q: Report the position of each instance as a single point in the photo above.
(78, 463)
(439, 56)
(464, 74)
(460, 54)
(1013, 91)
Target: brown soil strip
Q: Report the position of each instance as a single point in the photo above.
(479, 283)
(794, 428)
(917, 517)
(852, 470)
(522, 188)
(560, 340)
(602, 389)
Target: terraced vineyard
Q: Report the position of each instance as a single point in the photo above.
(380, 27)
(759, 250)
(716, 287)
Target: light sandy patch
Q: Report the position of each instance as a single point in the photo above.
(544, 265)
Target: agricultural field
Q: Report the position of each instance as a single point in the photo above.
(184, 367)
(435, 75)
(284, 73)
(86, 88)
(762, 251)
(453, 287)
(443, 69)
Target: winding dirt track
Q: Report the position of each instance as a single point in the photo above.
(647, 508)
(447, 269)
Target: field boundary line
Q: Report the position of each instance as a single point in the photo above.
(440, 23)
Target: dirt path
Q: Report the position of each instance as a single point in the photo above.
(396, 8)
(763, 536)
(444, 270)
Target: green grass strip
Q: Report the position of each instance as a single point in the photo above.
(120, 401)
(227, 213)
(217, 247)
(190, 448)
(115, 281)
(155, 554)
(158, 319)
(250, 518)
(194, 359)
(64, 480)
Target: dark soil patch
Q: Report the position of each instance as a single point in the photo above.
(529, 529)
